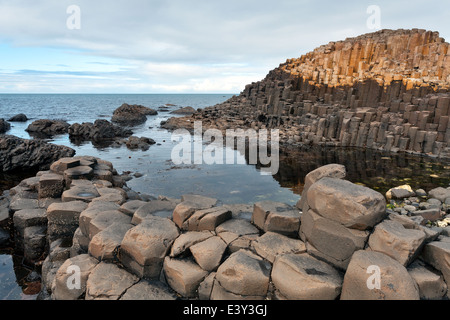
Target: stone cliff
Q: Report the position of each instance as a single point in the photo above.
(387, 90)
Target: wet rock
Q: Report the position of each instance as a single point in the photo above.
(64, 276)
(430, 282)
(19, 118)
(47, 127)
(142, 143)
(396, 241)
(145, 246)
(351, 205)
(17, 153)
(244, 273)
(185, 110)
(34, 241)
(148, 290)
(395, 281)
(302, 277)
(86, 193)
(272, 244)
(132, 114)
(4, 126)
(184, 276)
(4, 237)
(108, 282)
(100, 130)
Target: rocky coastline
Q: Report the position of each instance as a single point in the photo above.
(81, 213)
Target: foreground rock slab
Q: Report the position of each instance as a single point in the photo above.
(390, 281)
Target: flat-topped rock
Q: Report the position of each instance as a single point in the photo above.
(163, 208)
(105, 244)
(276, 217)
(130, 206)
(29, 217)
(108, 282)
(148, 290)
(302, 277)
(431, 283)
(208, 253)
(80, 172)
(51, 185)
(207, 219)
(272, 244)
(184, 276)
(63, 164)
(351, 205)
(437, 254)
(104, 219)
(395, 283)
(188, 239)
(145, 246)
(66, 212)
(85, 193)
(396, 241)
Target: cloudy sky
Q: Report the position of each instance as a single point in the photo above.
(179, 46)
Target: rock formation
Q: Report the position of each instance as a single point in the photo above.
(387, 90)
(19, 118)
(132, 114)
(80, 215)
(17, 153)
(47, 128)
(4, 126)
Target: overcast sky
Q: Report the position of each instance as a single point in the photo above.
(179, 46)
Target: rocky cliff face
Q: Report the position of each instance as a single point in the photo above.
(387, 90)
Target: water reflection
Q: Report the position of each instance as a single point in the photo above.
(374, 169)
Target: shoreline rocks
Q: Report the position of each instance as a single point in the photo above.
(4, 126)
(46, 128)
(17, 153)
(132, 114)
(194, 248)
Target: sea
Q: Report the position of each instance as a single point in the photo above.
(157, 174)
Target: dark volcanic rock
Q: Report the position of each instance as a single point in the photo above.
(17, 153)
(4, 126)
(97, 131)
(19, 118)
(185, 110)
(142, 143)
(132, 114)
(48, 127)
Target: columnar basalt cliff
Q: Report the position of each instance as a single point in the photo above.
(387, 90)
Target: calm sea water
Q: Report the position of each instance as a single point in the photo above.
(229, 183)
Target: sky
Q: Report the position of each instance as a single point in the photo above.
(180, 46)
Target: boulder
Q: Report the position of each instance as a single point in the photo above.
(400, 243)
(375, 276)
(17, 153)
(245, 274)
(45, 127)
(148, 290)
(206, 219)
(208, 253)
(51, 185)
(302, 277)
(329, 240)
(437, 254)
(333, 170)
(163, 208)
(108, 282)
(351, 205)
(400, 192)
(439, 193)
(188, 239)
(272, 244)
(132, 114)
(100, 130)
(185, 110)
(71, 278)
(276, 217)
(104, 246)
(183, 276)
(430, 282)
(19, 118)
(142, 143)
(4, 126)
(145, 246)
